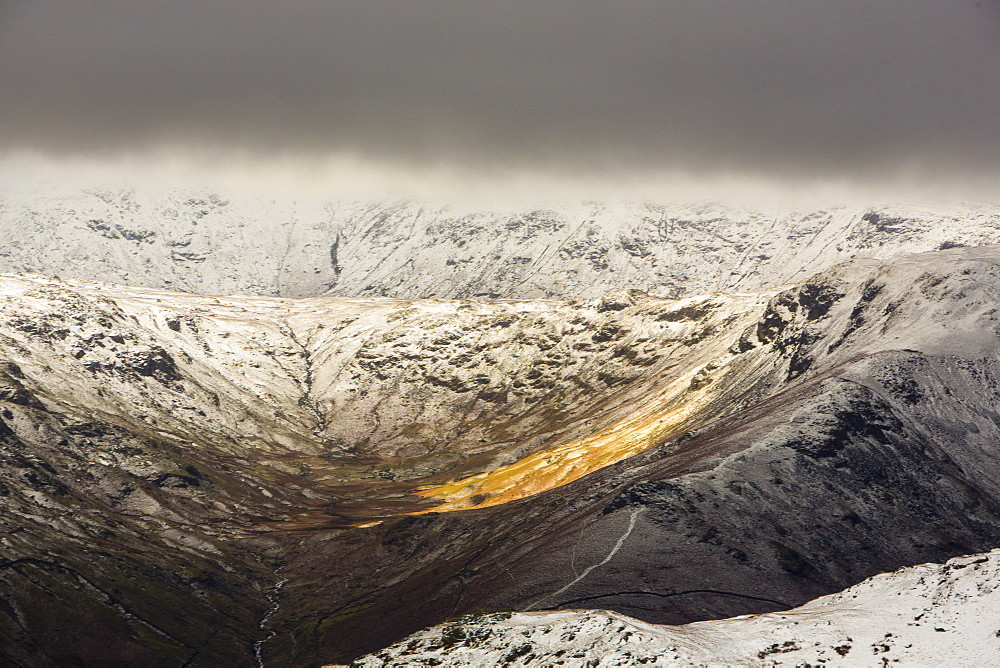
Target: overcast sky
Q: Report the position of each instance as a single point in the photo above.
(782, 89)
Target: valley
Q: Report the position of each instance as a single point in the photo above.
(326, 475)
(517, 334)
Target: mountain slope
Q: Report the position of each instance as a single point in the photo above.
(420, 386)
(872, 449)
(324, 476)
(928, 615)
(162, 451)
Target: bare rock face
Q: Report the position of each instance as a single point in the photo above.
(321, 477)
(211, 243)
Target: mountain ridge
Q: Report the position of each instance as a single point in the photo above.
(267, 456)
(213, 243)
(923, 615)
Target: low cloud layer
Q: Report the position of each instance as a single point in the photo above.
(778, 89)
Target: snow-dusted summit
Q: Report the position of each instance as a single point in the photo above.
(217, 243)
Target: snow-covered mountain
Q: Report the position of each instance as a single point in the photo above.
(157, 447)
(319, 477)
(214, 243)
(863, 445)
(434, 381)
(928, 615)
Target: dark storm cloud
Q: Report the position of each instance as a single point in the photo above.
(780, 87)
